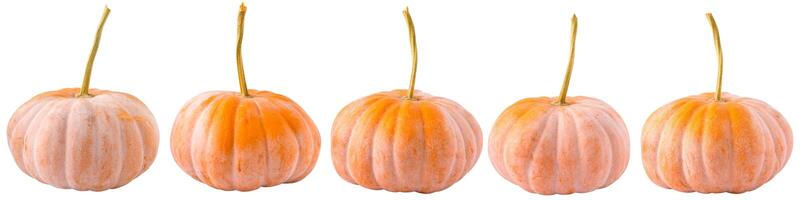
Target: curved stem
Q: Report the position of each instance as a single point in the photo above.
(239, 63)
(413, 39)
(718, 46)
(562, 97)
(84, 92)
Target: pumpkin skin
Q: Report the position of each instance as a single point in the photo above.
(424, 145)
(94, 143)
(553, 149)
(232, 142)
(696, 144)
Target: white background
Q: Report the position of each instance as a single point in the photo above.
(636, 55)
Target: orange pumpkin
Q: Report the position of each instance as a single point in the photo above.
(402, 142)
(384, 141)
(700, 144)
(83, 139)
(554, 149)
(233, 142)
(715, 142)
(95, 143)
(560, 145)
(243, 141)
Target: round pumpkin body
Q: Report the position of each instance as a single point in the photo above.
(92, 143)
(698, 144)
(559, 149)
(386, 141)
(232, 142)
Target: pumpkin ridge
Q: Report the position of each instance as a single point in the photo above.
(121, 139)
(556, 163)
(69, 143)
(423, 186)
(605, 136)
(201, 162)
(447, 111)
(731, 148)
(536, 130)
(293, 132)
(500, 132)
(699, 115)
(366, 102)
(191, 125)
(580, 165)
(262, 180)
(709, 125)
(658, 119)
(785, 137)
(34, 150)
(197, 161)
(539, 129)
(405, 107)
(33, 158)
(36, 143)
(25, 137)
(234, 151)
(475, 137)
(785, 131)
(676, 117)
(312, 135)
(62, 179)
(456, 136)
(769, 142)
(374, 112)
(387, 112)
(752, 170)
(783, 159)
(132, 124)
(120, 151)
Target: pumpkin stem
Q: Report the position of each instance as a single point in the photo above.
(239, 63)
(718, 46)
(84, 92)
(413, 40)
(562, 98)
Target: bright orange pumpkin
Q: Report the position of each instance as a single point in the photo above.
(95, 143)
(385, 141)
(560, 145)
(700, 144)
(559, 149)
(245, 140)
(81, 138)
(233, 142)
(715, 142)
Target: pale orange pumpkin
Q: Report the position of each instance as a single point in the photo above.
(385, 141)
(95, 143)
(83, 139)
(560, 145)
(246, 140)
(402, 142)
(559, 149)
(715, 142)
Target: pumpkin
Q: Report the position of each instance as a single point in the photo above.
(405, 140)
(700, 144)
(77, 138)
(243, 141)
(553, 149)
(560, 145)
(384, 141)
(715, 142)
